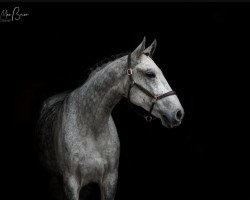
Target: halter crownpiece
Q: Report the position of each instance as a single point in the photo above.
(155, 98)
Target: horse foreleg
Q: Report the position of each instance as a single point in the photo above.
(71, 188)
(108, 186)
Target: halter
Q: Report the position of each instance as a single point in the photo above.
(155, 98)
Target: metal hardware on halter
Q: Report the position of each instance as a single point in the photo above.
(155, 98)
(129, 72)
(148, 118)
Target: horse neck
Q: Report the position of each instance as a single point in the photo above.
(98, 96)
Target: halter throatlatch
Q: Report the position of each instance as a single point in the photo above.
(155, 98)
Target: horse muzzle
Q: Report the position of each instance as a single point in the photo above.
(173, 119)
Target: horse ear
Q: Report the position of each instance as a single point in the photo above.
(151, 49)
(135, 55)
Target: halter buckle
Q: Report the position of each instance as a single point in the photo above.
(129, 72)
(148, 118)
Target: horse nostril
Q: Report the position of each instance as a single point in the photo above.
(178, 115)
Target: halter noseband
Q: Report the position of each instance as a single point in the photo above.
(155, 98)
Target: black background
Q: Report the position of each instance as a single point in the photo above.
(203, 50)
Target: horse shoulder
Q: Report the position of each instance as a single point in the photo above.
(111, 148)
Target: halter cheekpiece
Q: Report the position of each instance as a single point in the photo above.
(155, 98)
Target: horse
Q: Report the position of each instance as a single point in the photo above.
(78, 136)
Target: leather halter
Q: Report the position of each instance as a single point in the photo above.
(155, 98)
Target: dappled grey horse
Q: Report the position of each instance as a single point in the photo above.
(78, 136)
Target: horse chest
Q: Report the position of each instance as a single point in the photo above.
(97, 156)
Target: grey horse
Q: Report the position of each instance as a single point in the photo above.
(76, 131)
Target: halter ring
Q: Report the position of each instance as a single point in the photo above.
(148, 118)
(129, 72)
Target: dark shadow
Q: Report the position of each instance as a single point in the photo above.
(90, 192)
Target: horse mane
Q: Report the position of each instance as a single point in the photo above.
(102, 64)
(51, 104)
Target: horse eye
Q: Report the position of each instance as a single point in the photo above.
(150, 74)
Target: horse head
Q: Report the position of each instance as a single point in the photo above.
(149, 89)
